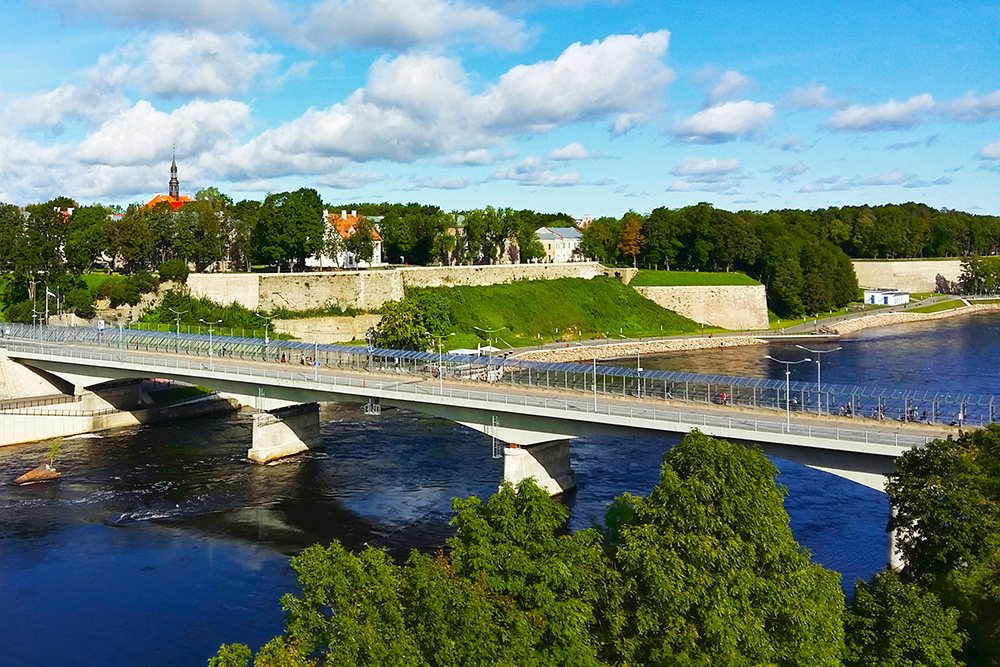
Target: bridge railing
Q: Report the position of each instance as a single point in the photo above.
(857, 402)
(490, 395)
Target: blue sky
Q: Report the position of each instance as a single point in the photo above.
(560, 105)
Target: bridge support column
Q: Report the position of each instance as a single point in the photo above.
(547, 462)
(284, 432)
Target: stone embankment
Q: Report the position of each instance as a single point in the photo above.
(575, 352)
(885, 319)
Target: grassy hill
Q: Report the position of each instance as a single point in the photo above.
(532, 312)
(646, 278)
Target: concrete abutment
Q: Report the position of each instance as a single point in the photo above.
(546, 462)
(284, 432)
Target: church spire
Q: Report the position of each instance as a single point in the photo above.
(175, 185)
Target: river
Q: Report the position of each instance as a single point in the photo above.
(160, 543)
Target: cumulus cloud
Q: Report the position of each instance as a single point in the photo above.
(349, 180)
(405, 24)
(203, 63)
(141, 134)
(534, 171)
(623, 76)
(573, 151)
(990, 151)
(793, 143)
(723, 86)
(814, 96)
(475, 158)
(973, 108)
(90, 102)
(420, 105)
(891, 115)
(725, 122)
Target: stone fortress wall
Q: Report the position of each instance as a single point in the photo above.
(736, 307)
(730, 307)
(908, 275)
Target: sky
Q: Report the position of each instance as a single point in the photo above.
(588, 108)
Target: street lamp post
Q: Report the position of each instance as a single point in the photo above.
(819, 376)
(489, 348)
(267, 326)
(177, 315)
(788, 373)
(440, 340)
(211, 360)
(594, 350)
(638, 364)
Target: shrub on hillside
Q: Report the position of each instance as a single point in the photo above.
(174, 269)
(81, 302)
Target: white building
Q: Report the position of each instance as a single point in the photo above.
(345, 224)
(561, 244)
(885, 297)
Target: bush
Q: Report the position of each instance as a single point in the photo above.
(20, 312)
(81, 302)
(174, 269)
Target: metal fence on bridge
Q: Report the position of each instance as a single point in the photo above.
(598, 379)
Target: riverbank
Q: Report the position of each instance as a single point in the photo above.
(850, 326)
(602, 351)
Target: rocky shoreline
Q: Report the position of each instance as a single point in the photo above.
(887, 319)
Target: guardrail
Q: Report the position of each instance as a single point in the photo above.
(562, 407)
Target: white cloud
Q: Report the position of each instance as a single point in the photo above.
(971, 107)
(534, 171)
(889, 178)
(793, 143)
(142, 134)
(450, 183)
(344, 180)
(711, 170)
(725, 122)
(622, 76)
(785, 173)
(405, 24)
(573, 151)
(220, 15)
(203, 63)
(990, 151)
(722, 86)
(90, 102)
(814, 96)
(477, 157)
(891, 115)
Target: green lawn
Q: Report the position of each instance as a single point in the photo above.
(647, 278)
(95, 280)
(938, 307)
(542, 311)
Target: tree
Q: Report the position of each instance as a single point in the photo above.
(401, 327)
(893, 624)
(630, 239)
(945, 499)
(290, 227)
(83, 237)
(710, 572)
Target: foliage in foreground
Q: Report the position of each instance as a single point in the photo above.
(703, 571)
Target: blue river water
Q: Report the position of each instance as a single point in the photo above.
(160, 543)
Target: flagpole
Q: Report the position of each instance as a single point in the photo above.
(47, 293)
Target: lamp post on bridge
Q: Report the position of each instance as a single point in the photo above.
(788, 373)
(440, 340)
(211, 360)
(177, 315)
(489, 348)
(818, 353)
(638, 364)
(594, 350)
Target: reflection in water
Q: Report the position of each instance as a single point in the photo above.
(161, 543)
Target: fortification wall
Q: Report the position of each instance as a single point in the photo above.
(915, 275)
(328, 329)
(226, 288)
(447, 276)
(735, 307)
(363, 290)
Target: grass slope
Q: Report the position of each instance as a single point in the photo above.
(647, 278)
(530, 312)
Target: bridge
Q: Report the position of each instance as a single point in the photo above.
(540, 416)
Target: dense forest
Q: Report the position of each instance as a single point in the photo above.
(802, 257)
(702, 571)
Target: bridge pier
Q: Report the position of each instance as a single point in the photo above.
(284, 432)
(546, 462)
